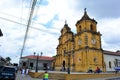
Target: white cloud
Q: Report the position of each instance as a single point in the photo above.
(109, 29)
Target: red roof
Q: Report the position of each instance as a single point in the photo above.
(111, 53)
(40, 57)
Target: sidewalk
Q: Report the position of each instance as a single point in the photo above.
(25, 77)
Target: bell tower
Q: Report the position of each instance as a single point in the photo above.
(88, 51)
(65, 49)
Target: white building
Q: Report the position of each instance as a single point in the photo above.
(30, 61)
(112, 60)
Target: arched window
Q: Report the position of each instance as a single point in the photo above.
(95, 59)
(91, 27)
(31, 65)
(79, 59)
(24, 63)
(116, 62)
(109, 64)
(80, 27)
(64, 52)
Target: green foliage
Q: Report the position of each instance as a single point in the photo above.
(8, 59)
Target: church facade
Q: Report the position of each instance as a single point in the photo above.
(82, 50)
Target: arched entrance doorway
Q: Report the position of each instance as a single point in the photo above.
(31, 65)
(63, 65)
(45, 66)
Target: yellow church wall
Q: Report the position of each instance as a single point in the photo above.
(84, 60)
(79, 65)
(91, 62)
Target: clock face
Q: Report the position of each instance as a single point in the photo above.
(93, 41)
(79, 42)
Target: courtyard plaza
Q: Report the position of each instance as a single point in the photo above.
(28, 77)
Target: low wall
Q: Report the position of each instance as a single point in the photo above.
(76, 76)
(35, 74)
(88, 76)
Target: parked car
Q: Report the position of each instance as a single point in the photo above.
(117, 69)
(1, 67)
(8, 73)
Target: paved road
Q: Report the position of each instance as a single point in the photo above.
(118, 78)
(112, 78)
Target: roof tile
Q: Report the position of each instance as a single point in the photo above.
(40, 57)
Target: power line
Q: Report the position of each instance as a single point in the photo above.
(12, 21)
(10, 15)
(47, 31)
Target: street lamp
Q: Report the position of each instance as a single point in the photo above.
(36, 69)
(37, 58)
(41, 53)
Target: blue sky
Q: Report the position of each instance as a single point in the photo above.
(48, 20)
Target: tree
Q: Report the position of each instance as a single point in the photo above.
(8, 59)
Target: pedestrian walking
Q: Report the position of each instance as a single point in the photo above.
(48, 67)
(23, 72)
(46, 75)
(27, 70)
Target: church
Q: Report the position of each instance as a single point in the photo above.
(83, 50)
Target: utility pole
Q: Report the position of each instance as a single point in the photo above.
(28, 25)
